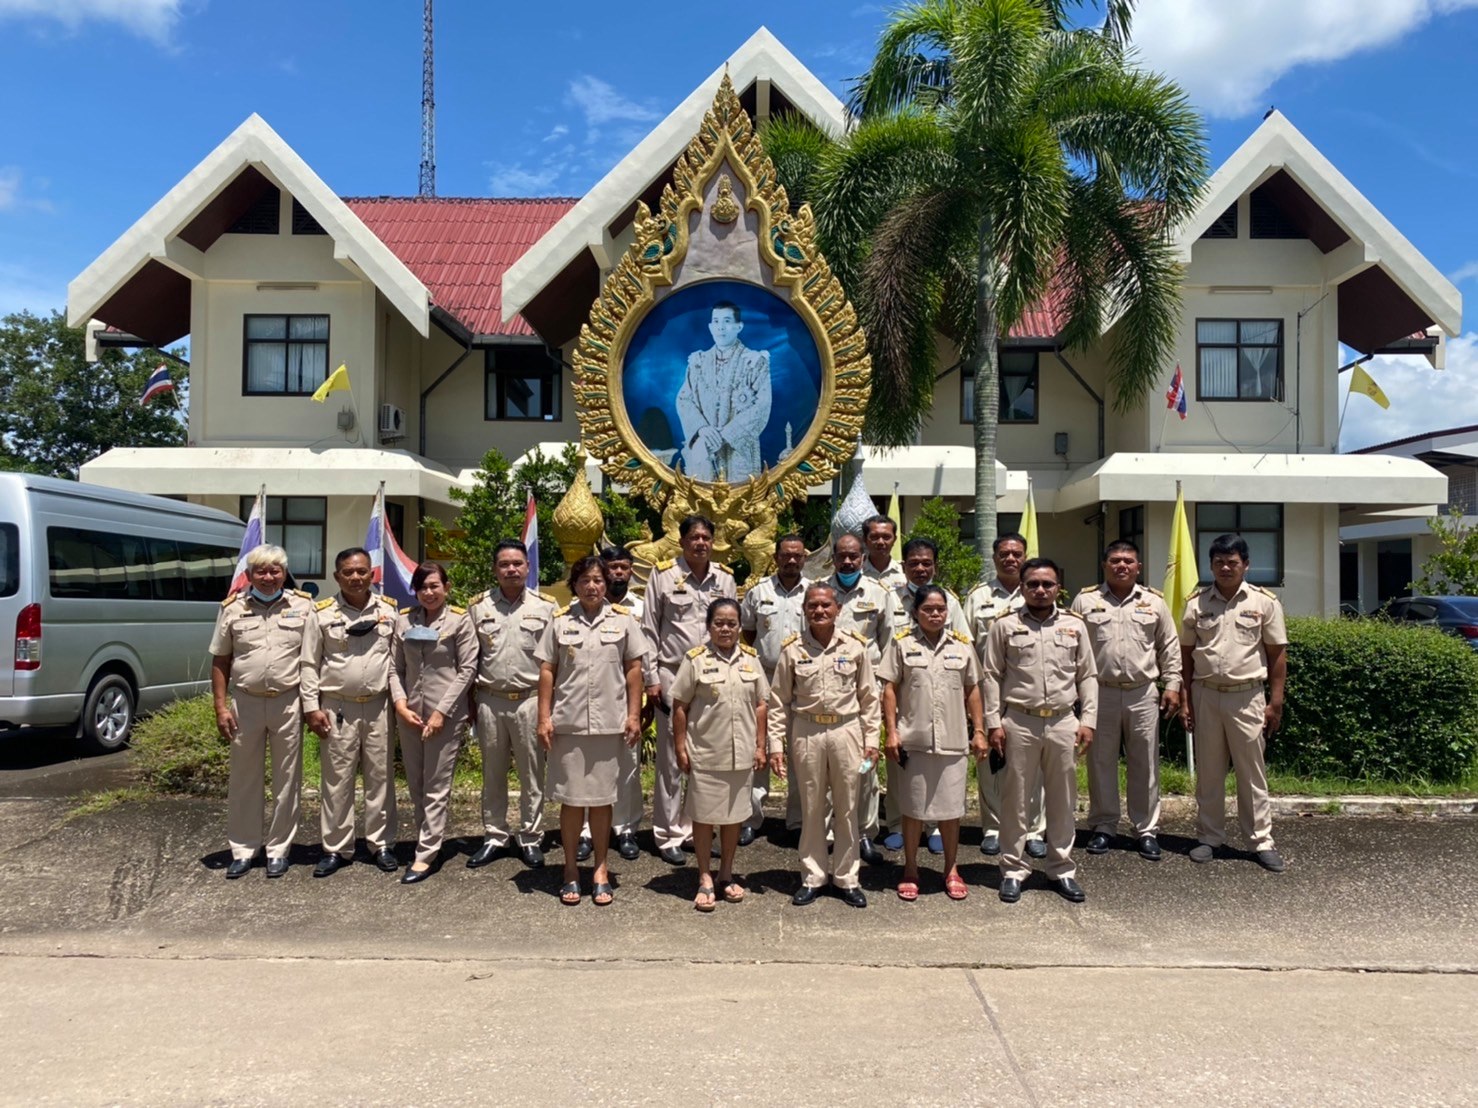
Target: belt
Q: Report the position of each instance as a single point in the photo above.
(1122, 684)
(351, 699)
(1236, 686)
(1039, 713)
(265, 695)
(510, 694)
(826, 717)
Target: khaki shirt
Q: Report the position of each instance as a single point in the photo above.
(772, 613)
(835, 679)
(1134, 639)
(889, 578)
(263, 641)
(507, 632)
(336, 663)
(986, 604)
(676, 616)
(1229, 638)
(867, 609)
(434, 676)
(1039, 665)
(723, 696)
(930, 683)
(588, 654)
(903, 611)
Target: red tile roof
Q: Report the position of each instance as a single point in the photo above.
(459, 248)
(1044, 319)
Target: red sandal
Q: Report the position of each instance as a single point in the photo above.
(908, 890)
(954, 887)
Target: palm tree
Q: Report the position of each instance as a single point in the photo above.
(1000, 153)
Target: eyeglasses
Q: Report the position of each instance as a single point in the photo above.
(1039, 586)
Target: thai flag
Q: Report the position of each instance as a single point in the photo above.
(1175, 394)
(391, 566)
(254, 537)
(530, 539)
(159, 381)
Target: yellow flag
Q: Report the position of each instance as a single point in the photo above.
(1181, 575)
(897, 519)
(337, 380)
(1365, 385)
(1029, 524)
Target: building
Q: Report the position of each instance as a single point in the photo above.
(457, 317)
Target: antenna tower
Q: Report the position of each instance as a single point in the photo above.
(428, 111)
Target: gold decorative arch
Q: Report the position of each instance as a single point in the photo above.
(745, 513)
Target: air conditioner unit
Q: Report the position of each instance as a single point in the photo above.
(392, 422)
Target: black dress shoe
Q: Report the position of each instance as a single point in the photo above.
(1149, 847)
(1270, 860)
(584, 848)
(1036, 848)
(329, 865)
(1071, 890)
(870, 853)
(411, 876)
(531, 856)
(626, 846)
(746, 835)
(485, 854)
(238, 868)
(1100, 843)
(853, 897)
(1010, 889)
(673, 855)
(806, 894)
(990, 845)
(276, 867)
(386, 860)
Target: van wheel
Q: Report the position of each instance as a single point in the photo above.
(107, 714)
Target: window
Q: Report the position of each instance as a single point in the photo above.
(10, 559)
(522, 382)
(1268, 220)
(286, 355)
(1261, 525)
(303, 223)
(298, 524)
(261, 218)
(103, 565)
(1018, 376)
(1131, 527)
(1224, 227)
(1239, 359)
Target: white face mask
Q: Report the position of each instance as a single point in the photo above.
(265, 598)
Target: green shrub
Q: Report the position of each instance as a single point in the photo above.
(958, 568)
(177, 750)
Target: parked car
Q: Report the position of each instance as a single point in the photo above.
(1457, 615)
(109, 599)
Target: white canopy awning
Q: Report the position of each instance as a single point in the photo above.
(927, 471)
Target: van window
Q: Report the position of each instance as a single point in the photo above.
(101, 565)
(208, 570)
(10, 559)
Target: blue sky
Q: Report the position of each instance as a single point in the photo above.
(106, 104)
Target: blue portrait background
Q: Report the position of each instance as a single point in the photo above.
(657, 360)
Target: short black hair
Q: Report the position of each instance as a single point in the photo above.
(731, 306)
(1121, 544)
(792, 537)
(846, 535)
(510, 544)
(350, 552)
(609, 554)
(926, 591)
(878, 521)
(584, 566)
(425, 571)
(689, 522)
(1230, 544)
(921, 543)
(1041, 563)
(1009, 536)
(715, 605)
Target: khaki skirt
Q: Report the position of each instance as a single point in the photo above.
(932, 786)
(583, 770)
(720, 797)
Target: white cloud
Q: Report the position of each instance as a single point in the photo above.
(1422, 399)
(1228, 54)
(519, 180)
(10, 187)
(151, 19)
(558, 131)
(1462, 273)
(600, 103)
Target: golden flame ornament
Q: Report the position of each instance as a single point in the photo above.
(578, 522)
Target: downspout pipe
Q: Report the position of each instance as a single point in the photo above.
(462, 336)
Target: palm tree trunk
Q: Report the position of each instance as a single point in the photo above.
(984, 365)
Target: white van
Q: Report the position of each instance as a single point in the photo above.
(108, 599)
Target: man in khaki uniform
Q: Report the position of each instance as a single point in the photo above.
(675, 621)
(257, 651)
(824, 707)
(1038, 661)
(770, 614)
(346, 703)
(509, 622)
(1232, 639)
(985, 604)
(879, 533)
(1135, 644)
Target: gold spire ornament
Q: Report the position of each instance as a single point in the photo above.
(578, 522)
(725, 207)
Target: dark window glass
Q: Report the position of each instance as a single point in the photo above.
(207, 570)
(284, 355)
(1261, 525)
(303, 223)
(298, 524)
(1225, 226)
(10, 559)
(261, 218)
(522, 382)
(1239, 359)
(1019, 388)
(165, 569)
(1268, 220)
(102, 565)
(1131, 528)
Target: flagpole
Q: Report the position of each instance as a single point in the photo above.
(1340, 427)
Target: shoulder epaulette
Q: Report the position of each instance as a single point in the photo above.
(1070, 612)
(407, 611)
(950, 593)
(905, 633)
(962, 637)
(1265, 591)
(696, 651)
(1151, 589)
(456, 611)
(621, 609)
(566, 608)
(856, 634)
(790, 638)
(544, 596)
(304, 595)
(230, 598)
(322, 604)
(383, 599)
(726, 569)
(478, 599)
(667, 563)
(1196, 592)
(744, 646)
(1087, 588)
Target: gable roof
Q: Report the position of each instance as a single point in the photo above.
(459, 248)
(167, 241)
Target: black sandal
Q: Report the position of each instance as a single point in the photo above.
(602, 889)
(569, 894)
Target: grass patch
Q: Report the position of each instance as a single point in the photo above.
(95, 803)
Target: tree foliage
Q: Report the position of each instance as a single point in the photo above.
(1453, 570)
(958, 567)
(58, 411)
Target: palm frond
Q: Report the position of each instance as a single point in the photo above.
(1026, 191)
(996, 49)
(912, 61)
(797, 147)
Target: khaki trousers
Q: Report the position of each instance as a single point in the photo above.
(670, 823)
(506, 732)
(263, 723)
(428, 776)
(992, 789)
(824, 758)
(1130, 717)
(1229, 729)
(358, 741)
(1039, 757)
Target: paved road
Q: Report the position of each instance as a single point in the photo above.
(1351, 979)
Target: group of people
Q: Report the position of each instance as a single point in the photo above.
(813, 682)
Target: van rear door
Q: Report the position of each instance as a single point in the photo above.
(12, 600)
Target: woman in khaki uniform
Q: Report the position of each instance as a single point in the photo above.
(589, 704)
(718, 726)
(433, 662)
(931, 684)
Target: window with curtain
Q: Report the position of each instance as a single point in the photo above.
(1239, 359)
(521, 382)
(1260, 524)
(1019, 387)
(285, 355)
(298, 524)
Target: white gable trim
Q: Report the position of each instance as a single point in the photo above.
(256, 144)
(762, 57)
(1278, 144)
